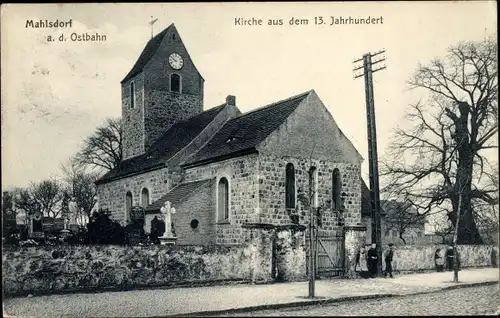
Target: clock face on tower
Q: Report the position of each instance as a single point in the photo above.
(175, 61)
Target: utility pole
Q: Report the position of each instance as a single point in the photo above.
(372, 147)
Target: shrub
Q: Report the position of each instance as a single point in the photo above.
(103, 230)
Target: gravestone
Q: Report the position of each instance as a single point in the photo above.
(135, 230)
(157, 229)
(137, 213)
(36, 229)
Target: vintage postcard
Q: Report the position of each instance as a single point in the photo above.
(250, 159)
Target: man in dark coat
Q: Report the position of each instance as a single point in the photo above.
(450, 256)
(389, 254)
(372, 260)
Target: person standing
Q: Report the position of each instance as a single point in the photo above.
(372, 260)
(389, 254)
(439, 260)
(361, 266)
(450, 255)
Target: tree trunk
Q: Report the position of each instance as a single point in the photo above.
(462, 195)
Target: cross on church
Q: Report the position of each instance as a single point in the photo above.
(151, 24)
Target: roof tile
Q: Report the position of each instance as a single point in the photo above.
(178, 194)
(166, 146)
(248, 130)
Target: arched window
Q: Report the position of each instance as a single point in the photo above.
(132, 94)
(145, 197)
(175, 83)
(223, 200)
(128, 204)
(290, 186)
(313, 185)
(336, 190)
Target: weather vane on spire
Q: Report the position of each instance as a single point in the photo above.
(151, 24)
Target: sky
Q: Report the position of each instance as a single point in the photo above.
(54, 94)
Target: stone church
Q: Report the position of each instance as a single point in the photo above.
(222, 169)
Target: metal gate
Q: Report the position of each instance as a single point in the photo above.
(329, 254)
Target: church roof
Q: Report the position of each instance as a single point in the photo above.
(177, 195)
(243, 133)
(148, 52)
(165, 147)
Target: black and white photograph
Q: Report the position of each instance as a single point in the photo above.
(234, 159)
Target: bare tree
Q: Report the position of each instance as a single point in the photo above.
(50, 196)
(401, 216)
(443, 230)
(79, 184)
(445, 149)
(25, 201)
(103, 149)
(46, 197)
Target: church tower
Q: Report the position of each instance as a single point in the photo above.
(163, 88)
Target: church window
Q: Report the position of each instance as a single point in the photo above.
(223, 200)
(145, 197)
(336, 190)
(173, 36)
(313, 185)
(128, 203)
(290, 186)
(132, 94)
(175, 83)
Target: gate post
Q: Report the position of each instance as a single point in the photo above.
(354, 239)
(291, 259)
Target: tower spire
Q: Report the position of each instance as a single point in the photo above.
(151, 24)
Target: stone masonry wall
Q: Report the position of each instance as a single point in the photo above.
(291, 256)
(165, 108)
(156, 107)
(200, 207)
(309, 137)
(41, 270)
(241, 173)
(311, 132)
(415, 258)
(112, 194)
(272, 190)
(132, 118)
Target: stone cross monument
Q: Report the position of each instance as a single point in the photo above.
(167, 210)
